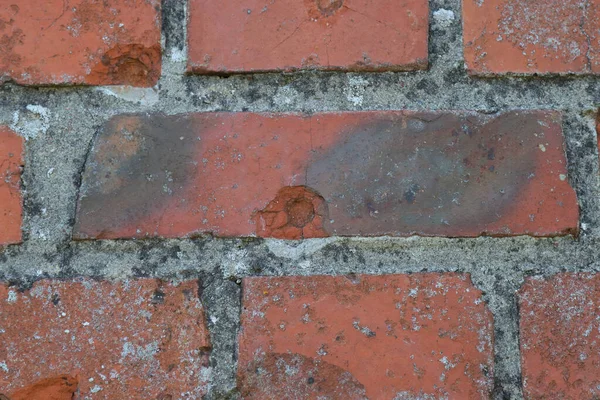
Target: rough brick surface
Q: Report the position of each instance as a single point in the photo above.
(357, 337)
(254, 35)
(106, 42)
(101, 340)
(522, 36)
(364, 173)
(11, 164)
(559, 337)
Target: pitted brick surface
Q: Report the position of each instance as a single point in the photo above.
(359, 337)
(362, 174)
(527, 37)
(134, 339)
(254, 35)
(110, 42)
(559, 336)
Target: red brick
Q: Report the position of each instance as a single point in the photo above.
(525, 37)
(109, 42)
(141, 339)
(559, 336)
(11, 205)
(364, 173)
(254, 35)
(356, 337)
(59, 388)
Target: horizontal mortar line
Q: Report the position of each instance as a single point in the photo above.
(189, 273)
(450, 255)
(357, 241)
(305, 108)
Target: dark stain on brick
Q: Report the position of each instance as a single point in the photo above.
(131, 64)
(138, 164)
(411, 193)
(284, 376)
(329, 7)
(297, 212)
(325, 11)
(392, 173)
(158, 297)
(409, 172)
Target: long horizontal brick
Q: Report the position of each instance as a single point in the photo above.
(526, 37)
(296, 176)
(254, 35)
(139, 339)
(560, 333)
(109, 42)
(356, 337)
(11, 204)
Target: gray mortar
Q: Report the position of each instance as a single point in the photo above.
(57, 148)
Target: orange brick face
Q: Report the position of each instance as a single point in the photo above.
(356, 337)
(108, 42)
(11, 204)
(134, 339)
(250, 36)
(559, 337)
(364, 173)
(526, 37)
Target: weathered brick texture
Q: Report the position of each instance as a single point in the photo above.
(11, 164)
(137, 339)
(110, 42)
(287, 199)
(347, 174)
(559, 337)
(252, 36)
(360, 336)
(526, 37)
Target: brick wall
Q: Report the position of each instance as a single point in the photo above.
(324, 199)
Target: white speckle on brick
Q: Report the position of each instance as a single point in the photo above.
(95, 389)
(12, 296)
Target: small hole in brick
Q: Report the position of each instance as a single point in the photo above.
(300, 212)
(296, 212)
(133, 64)
(329, 7)
(158, 297)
